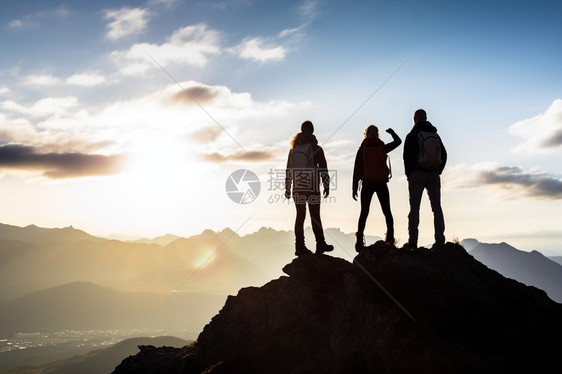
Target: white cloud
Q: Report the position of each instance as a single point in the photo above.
(167, 3)
(88, 79)
(22, 131)
(126, 21)
(290, 32)
(35, 19)
(4, 91)
(258, 50)
(309, 10)
(16, 24)
(165, 115)
(40, 80)
(135, 68)
(191, 45)
(50, 106)
(542, 133)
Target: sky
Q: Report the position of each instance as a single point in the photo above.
(128, 117)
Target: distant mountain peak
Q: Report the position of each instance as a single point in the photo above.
(227, 231)
(531, 268)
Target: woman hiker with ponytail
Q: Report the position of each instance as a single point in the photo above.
(306, 170)
(371, 169)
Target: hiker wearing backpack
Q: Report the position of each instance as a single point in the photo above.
(424, 160)
(306, 168)
(372, 170)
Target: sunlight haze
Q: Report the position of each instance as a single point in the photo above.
(121, 117)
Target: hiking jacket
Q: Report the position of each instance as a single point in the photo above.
(412, 148)
(321, 172)
(359, 160)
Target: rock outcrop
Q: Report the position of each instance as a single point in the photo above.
(390, 311)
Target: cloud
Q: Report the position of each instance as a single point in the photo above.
(88, 79)
(40, 80)
(309, 10)
(49, 140)
(206, 135)
(59, 165)
(164, 116)
(194, 92)
(191, 45)
(33, 19)
(293, 31)
(125, 22)
(249, 156)
(5, 91)
(542, 133)
(514, 180)
(16, 24)
(49, 106)
(166, 3)
(257, 49)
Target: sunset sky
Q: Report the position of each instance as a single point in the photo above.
(129, 116)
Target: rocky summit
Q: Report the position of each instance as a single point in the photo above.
(390, 311)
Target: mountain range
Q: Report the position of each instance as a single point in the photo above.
(33, 258)
(531, 268)
(68, 279)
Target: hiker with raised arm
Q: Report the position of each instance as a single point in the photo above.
(424, 160)
(373, 171)
(306, 169)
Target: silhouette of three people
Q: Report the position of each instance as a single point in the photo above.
(424, 160)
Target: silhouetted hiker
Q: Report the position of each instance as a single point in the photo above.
(424, 160)
(306, 167)
(374, 173)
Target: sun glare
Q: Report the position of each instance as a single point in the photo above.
(205, 258)
(160, 172)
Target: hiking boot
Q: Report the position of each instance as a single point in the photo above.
(301, 250)
(323, 247)
(389, 239)
(359, 242)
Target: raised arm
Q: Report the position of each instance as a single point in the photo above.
(396, 141)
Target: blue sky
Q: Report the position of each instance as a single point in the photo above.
(95, 133)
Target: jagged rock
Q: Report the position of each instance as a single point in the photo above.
(391, 311)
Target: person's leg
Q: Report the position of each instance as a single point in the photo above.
(416, 185)
(366, 198)
(384, 199)
(300, 205)
(434, 191)
(314, 208)
(314, 201)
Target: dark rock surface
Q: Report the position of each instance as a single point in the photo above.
(391, 311)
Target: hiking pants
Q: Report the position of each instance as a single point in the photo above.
(383, 195)
(312, 199)
(418, 181)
